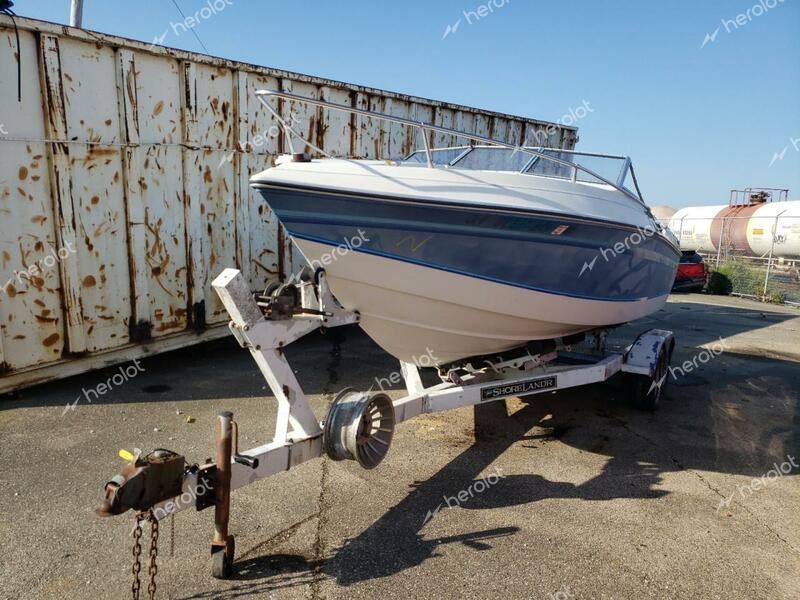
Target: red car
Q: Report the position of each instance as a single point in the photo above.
(692, 273)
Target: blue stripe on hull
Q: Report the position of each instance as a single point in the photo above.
(547, 253)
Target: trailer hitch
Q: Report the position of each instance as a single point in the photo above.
(144, 482)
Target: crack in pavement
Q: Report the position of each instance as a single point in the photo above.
(323, 504)
(319, 545)
(708, 484)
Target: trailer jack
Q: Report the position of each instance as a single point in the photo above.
(359, 426)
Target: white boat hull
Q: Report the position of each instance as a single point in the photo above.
(429, 316)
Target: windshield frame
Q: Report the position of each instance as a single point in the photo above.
(539, 153)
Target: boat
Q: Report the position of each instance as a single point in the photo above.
(474, 250)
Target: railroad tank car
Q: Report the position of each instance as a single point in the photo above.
(746, 229)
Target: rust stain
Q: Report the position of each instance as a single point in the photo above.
(23, 173)
(43, 319)
(158, 108)
(102, 228)
(130, 83)
(51, 340)
(38, 219)
(108, 121)
(96, 151)
(95, 199)
(169, 325)
(89, 281)
(207, 174)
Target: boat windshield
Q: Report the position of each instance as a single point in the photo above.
(615, 170)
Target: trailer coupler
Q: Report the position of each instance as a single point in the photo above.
(144, 482)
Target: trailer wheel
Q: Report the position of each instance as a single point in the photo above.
(222, 560)
(645, 391)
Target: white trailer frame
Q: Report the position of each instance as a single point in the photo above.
(299, 434)
(297, 431)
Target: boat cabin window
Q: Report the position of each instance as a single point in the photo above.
(493, 159)
(440, 156)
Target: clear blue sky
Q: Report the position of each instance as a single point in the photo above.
(696, 121)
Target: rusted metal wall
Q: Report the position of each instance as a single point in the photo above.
(124, 188)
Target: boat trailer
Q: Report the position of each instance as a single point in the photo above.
(359, 425)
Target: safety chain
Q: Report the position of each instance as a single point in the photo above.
(137, 553)
(152, 569)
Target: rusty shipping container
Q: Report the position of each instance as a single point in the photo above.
(124, 191)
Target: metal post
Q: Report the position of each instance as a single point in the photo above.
(721, 237)
(222, 508)
(425, 141)
(76, 13)
(771, 248)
